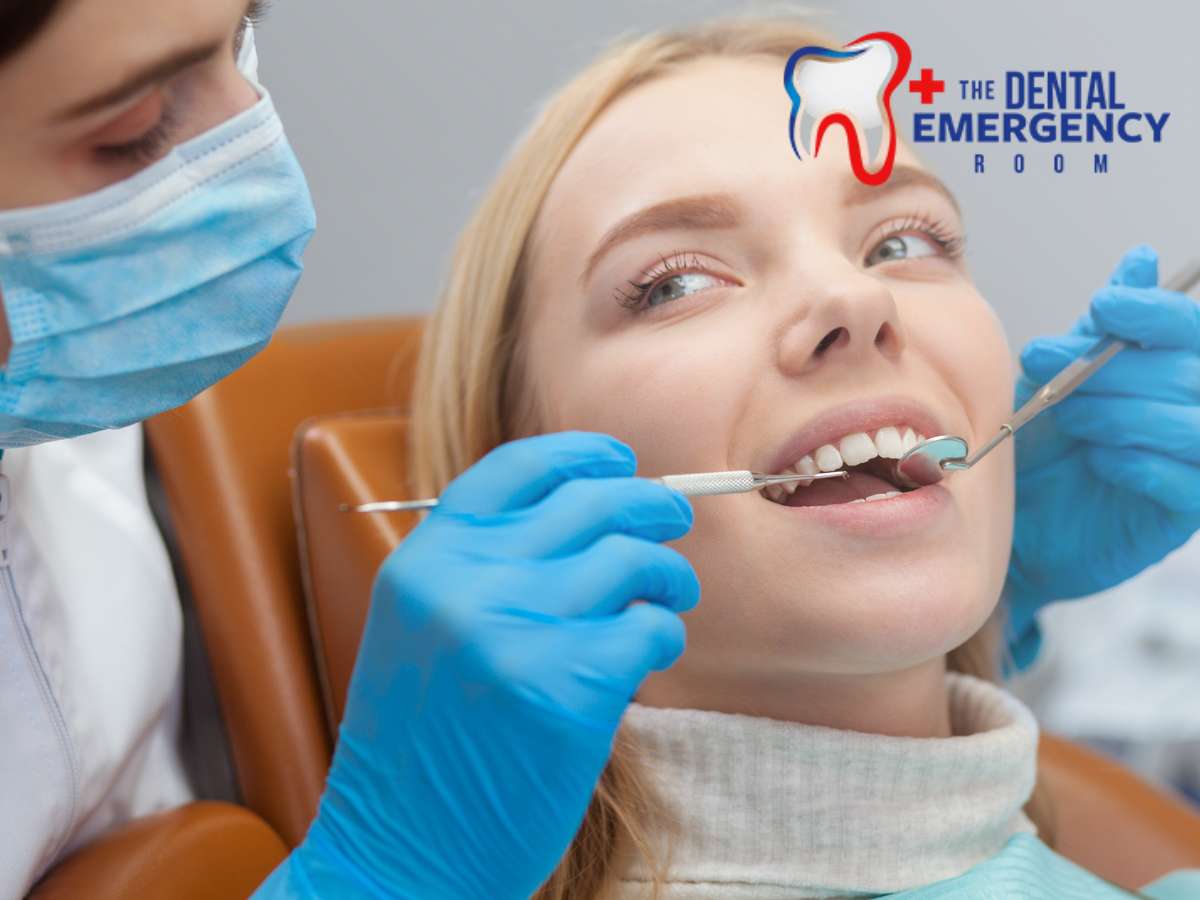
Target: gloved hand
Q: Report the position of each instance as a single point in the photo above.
(1108, 481)
(499, 654)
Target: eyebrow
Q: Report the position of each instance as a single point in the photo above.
(703, 212)
(697, 213)
(156, 72)
(163, 69)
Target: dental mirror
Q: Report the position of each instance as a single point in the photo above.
(930, 460)
(927, 462)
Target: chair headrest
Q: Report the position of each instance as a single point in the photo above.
(352, 458)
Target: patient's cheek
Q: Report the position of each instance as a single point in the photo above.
(975, 358)
(666, 406)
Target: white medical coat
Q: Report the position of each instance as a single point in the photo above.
(90, 652)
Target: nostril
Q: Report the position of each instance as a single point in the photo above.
(829, 340)
(886, 339)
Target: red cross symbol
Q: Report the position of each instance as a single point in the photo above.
(926, 86)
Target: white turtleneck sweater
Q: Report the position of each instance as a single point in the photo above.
(768, 810)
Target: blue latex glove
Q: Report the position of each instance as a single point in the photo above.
(499, 654)
(1108, 481)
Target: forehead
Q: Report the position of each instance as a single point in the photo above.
(713, 125)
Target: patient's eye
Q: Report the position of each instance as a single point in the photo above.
(915, 237)
(677, 286)
(901, 246)
(673, 277)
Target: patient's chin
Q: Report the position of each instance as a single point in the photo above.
(876, 625)
(776, 604)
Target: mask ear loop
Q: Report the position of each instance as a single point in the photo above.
(247, 61)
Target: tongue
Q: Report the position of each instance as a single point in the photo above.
(829, 491)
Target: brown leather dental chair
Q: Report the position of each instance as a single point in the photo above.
(254, 470)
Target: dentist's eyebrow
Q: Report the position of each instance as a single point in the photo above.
(162, 70)
(152, 74)
(698, 212)
(857, 193)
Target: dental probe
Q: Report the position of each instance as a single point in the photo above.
(930, 460)
(695, 484)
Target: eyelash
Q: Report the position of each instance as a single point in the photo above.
(948, 240)
(257, 11)
(673, 264)
(146, 148)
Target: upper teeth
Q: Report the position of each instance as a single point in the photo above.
(889, 442)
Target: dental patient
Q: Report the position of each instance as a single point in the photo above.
(655, 263)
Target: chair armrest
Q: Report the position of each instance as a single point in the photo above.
(202, 850)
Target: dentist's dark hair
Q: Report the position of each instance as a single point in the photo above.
(21, 20)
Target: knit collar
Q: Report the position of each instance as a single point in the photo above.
(763, 808)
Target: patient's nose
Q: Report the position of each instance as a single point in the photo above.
(848, 321)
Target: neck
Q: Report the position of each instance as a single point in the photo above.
(907, 703)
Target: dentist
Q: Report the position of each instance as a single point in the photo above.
(152, 221)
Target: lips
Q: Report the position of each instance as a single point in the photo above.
(850, 88)
(833, 424)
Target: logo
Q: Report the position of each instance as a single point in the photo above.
(852, 89)
(1027, 110)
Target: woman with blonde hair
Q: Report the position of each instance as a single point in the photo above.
(654, 272)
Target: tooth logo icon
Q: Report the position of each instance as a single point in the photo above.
(851, 87)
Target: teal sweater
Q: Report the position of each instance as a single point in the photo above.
(1026, 869)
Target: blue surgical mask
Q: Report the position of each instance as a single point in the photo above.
(131, 300)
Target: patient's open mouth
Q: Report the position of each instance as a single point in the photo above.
(869, 457)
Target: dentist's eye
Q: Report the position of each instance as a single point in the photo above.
(674, 277)
(139, 137)
(144, 149)
(915, 238)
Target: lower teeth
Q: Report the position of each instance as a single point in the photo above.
(883, 496)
